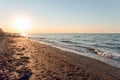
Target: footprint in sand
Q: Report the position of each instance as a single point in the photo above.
(19, 54)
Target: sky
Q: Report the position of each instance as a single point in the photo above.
(60, 16)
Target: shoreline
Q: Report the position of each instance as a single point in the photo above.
(89, 55)
(33, 60)
(80, 59)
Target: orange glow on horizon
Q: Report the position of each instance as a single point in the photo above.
(64, 30)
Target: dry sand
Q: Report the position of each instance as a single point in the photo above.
(26, 59)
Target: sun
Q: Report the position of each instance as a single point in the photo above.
(22, 24)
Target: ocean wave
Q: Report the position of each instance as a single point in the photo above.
(100, 53)
(105, 54)
(101, 46)
(67, 41)
(41, 38)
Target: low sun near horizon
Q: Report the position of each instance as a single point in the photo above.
(64, 16)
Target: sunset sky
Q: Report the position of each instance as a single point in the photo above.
(60, 16)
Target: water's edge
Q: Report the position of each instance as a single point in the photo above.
(94, 56)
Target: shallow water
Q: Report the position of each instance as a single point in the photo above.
(103, 45)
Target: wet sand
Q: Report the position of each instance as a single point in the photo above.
(27, 59)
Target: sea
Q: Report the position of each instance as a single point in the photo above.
(104, 47)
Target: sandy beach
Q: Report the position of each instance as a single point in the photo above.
(23, 59)
(59, 39)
